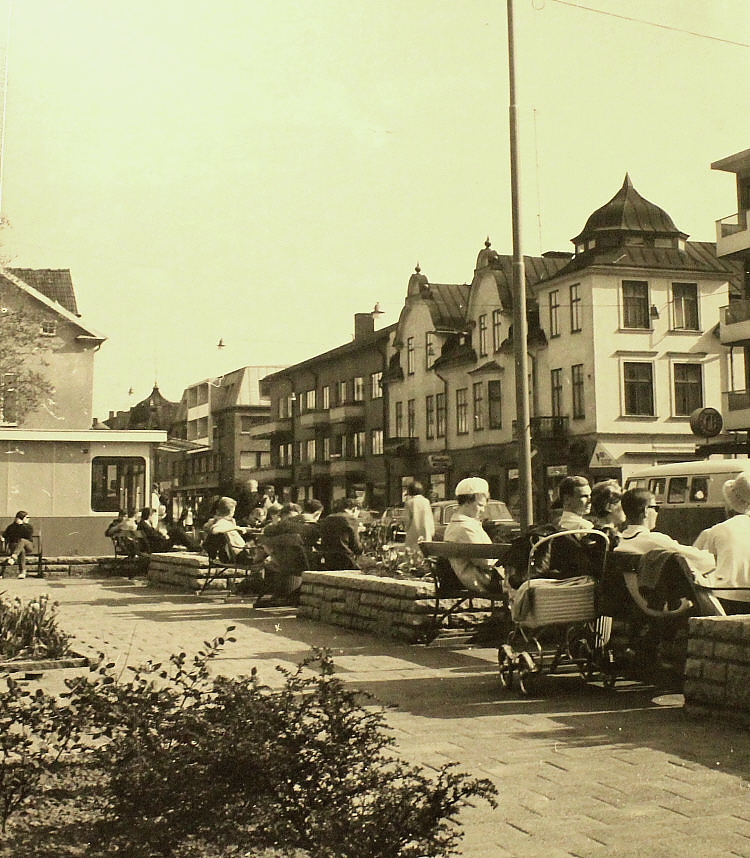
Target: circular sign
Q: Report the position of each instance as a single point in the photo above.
(706, 422)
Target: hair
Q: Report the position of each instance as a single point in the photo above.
(602, 495)
(570, 484)
(634, 503)
(146, 513)
(343, 504)
(289, 509)
(311, 506)
(415, 488)
(225, 506)
(21, 513)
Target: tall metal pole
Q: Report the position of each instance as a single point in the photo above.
(520, 324)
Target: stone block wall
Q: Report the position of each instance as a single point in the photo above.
(391, 608)
(183, 570)
(717, 672)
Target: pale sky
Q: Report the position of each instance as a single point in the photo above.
(260, 170)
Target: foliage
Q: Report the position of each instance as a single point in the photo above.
(23, 385)
(235, 763)
(394, 561)
(31, 630)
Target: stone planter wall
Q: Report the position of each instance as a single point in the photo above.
(396, 609)
(717, 672)
(182, 570)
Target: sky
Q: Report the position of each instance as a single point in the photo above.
(258, 171)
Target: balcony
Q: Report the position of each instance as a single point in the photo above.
(545, 427)
(311, 419)
(270, 476)
(735, 324)
(401, 446)
(346, 467)
(736, 410)
(321, 469)
(732, 235)
(347, 412)
(280, 426)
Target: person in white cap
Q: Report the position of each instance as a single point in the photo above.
(476, 573)
(729, 542)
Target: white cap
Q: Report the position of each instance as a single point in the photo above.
(473, 486)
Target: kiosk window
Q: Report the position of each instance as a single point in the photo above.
(677, 490)
(118, 482)
(699, 489)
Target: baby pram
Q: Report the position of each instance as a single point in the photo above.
(554, 608)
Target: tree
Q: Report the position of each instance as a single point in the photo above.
(23, 385)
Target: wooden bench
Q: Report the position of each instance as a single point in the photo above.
(219, 550)
(37, 552)
(131, 553)
(451, 595)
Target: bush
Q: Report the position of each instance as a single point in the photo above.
(30, 630)
(394, 561)
(237, 764)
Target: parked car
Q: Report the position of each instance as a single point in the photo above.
(497, 520)
(392, 525)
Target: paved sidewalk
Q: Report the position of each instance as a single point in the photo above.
(581, 771)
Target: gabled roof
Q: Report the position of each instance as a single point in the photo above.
(447, 303)
(10, 275)
(536, 268)
(56, 284)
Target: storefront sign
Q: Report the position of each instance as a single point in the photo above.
(602, 458)
(557, 470)
(706, 422)
(440, 463)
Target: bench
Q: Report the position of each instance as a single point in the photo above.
(222, 561)
(450, 594)
(37, 552)
(131, 553)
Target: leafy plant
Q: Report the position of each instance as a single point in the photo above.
(394, 561)
(235, 763)
(31, 630)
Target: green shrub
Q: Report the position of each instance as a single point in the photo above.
(31, 630)
(237, 764)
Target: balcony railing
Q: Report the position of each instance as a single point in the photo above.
(738, 400)
(347, 411)
(737, 311)
(545, 427)
(736, 410)
(732, 224)
(732, 234)
(282, 425)
(735, 324)
(310, 419)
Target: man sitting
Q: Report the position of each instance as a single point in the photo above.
(575, 498)
(18, 541)
(475, 573)
(223, 523)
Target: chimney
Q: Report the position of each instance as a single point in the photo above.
(364, 324)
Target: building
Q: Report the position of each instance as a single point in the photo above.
(327, 425)
(622, 346)
(733, 243)
(70, 477)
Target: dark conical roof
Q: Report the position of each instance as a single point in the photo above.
(629, 212)
(153, 412)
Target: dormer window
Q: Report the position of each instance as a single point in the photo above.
(48, 328)
(580, 248)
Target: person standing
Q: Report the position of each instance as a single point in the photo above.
(418, 521)
(18, 536)
(729, 542)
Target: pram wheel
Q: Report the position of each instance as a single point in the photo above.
(506, 662)
(527, 673)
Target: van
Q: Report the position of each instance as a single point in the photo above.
(688, 494)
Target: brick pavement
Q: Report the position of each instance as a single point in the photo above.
(581, 771)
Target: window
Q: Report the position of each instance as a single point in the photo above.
(638, 383)
(300, 451)
(310, 450)
(410, 356)
(309, 400)
(48, 328)
(495, 402)
(688, 388)
(554, 313)
(430, 349)
(337, 446)
(246, 424)
(429, 411)
(635, 304)
(699, 489)
(359, 389)
(678, 489)
(376, 442)
(325, 397)
(685, 306)
(462, 411)
(497, 329)
(399, 420)
(411, 418)
(477, 396)
(248, 459)
(341, 393)
(576, 375)
(441, 415)
(483, 335)
(358, 445)
(118, 482)
(575, 309)
(376, 391)
(326, 455)
(285, 455)
(556, 390)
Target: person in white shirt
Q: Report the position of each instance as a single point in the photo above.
(729, 543)
(575, 497)
(640, 509)
(418, 521)
(476, 573)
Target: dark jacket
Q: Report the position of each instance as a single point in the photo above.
(339, 541)
(16, 531)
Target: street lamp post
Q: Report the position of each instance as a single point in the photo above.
(520, 324)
